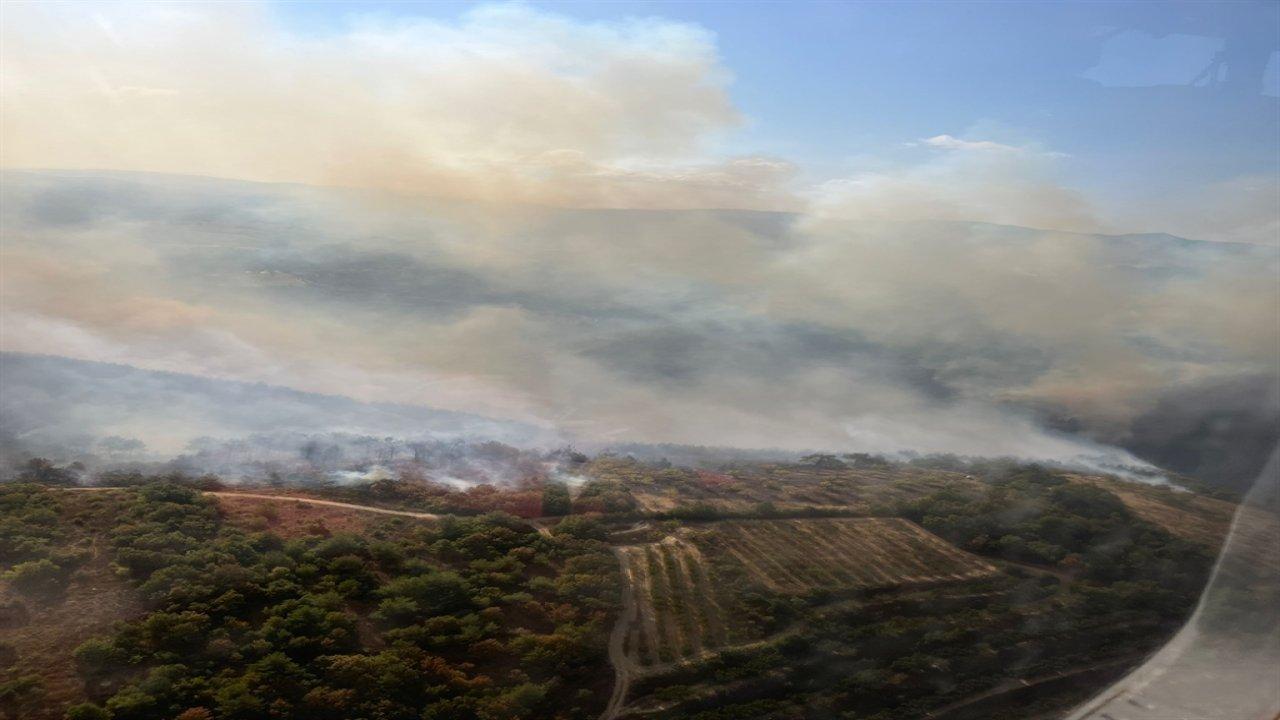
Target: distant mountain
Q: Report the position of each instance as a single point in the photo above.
(71, 409)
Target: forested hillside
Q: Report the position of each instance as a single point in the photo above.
(831, 588)
(481, 617)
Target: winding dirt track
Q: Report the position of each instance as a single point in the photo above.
(622, 669)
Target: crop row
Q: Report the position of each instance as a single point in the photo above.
(799, 556)
(679, 617)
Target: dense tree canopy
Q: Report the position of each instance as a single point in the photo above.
(411, 621)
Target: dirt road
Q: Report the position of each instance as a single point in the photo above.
(294, 498)
(622, 668)
(327, 503)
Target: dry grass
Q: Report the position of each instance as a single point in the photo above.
(787, 488)
(1197, 518)
(290, 519)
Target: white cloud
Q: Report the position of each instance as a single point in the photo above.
(951, 142)
(508, 103)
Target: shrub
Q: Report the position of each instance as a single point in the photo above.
(556, 499)
(20, 694)
(169, 492)
(97, 655)
(87, 711)
(396, 611)
(37, 577)
(582, 527)
(437, 592)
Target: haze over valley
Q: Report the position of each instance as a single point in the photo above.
(593, 327)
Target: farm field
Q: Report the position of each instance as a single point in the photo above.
(679, 615)
(682, 598)
(800, 556)
(846, 616)
(744, 489)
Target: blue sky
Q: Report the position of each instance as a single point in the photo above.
(835, 85)
(1100, 116)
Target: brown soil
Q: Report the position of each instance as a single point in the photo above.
(294, 518)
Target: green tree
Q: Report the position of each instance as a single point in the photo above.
(98, 655)
(824, 461)
(44, 472)
(556, 500)
(582, 527)
(435, 593)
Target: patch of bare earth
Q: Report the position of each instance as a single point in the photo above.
(653, 502)
(292, 518)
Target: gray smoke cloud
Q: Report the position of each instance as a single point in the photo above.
(524, 234)
(738, 328)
